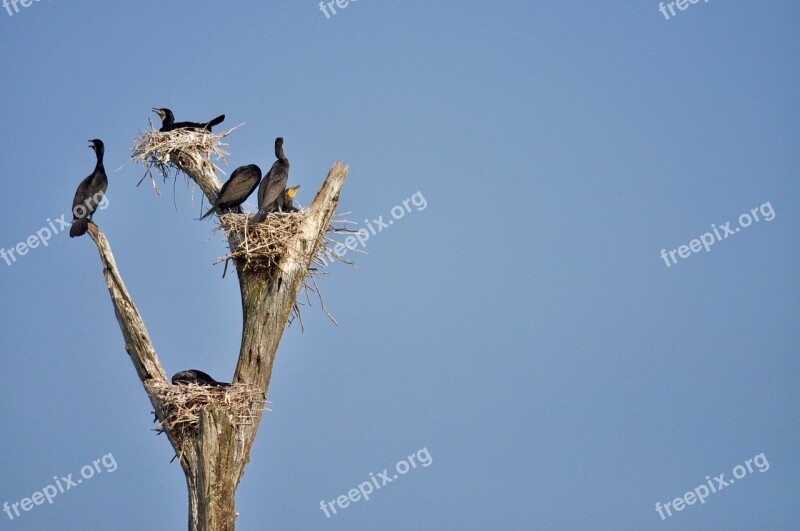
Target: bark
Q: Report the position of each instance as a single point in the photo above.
(214, 460)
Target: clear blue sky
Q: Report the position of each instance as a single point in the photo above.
(523, 327)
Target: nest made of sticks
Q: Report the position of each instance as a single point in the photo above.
(183, 404)
(258, 246)
(191, 148)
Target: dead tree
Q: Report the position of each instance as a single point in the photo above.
(214, 455)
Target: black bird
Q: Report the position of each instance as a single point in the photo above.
(286, 200)
(233, 193)
(168, 121)
(274, 183)
(89, 193)
(193, 376)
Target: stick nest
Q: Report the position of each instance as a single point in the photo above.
(178, 149)
(258, 247)
(183, 404)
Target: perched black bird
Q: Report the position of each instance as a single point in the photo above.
(168, 121)
(89, 193)
(274, 183)
(286, 200)
(193, 376)
(233, 193)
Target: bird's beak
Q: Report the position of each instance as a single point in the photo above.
(157, 111)
(91, 144)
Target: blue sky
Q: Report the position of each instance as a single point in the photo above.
(522, 328)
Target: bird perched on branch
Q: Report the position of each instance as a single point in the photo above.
(236, 190)
(274, 183)
(194, 376)
(89, 193)
(168, 122)
(286, 200)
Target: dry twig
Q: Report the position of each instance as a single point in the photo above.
(166, 153)
(183, 404)
(258, 247)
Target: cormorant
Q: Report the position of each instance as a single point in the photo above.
(193, 376)
(274, 183)
(286, 200)
(89, 193)
(168, 121)
(237, 189)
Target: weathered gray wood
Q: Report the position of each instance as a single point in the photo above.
(267, 303)
(214, 460)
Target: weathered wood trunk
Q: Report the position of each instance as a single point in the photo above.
(212, 474)
(214, 459)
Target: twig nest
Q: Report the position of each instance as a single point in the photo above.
(257, 247)
(185, 147)
(183, 404)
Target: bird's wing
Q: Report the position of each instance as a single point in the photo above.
(241, 188)
(262, 189)
(188, 125)
(96, 190)
(81, 192)
(224, 189)
(204, 377)
(275, 187)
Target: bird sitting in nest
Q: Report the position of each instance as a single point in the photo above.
(194, 376)
(168, 122)
(236, 190)
(274, 183)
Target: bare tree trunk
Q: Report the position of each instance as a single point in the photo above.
(214, 459)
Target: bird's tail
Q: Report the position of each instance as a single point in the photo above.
(216, 121)
(79, 227)
(211, 211)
